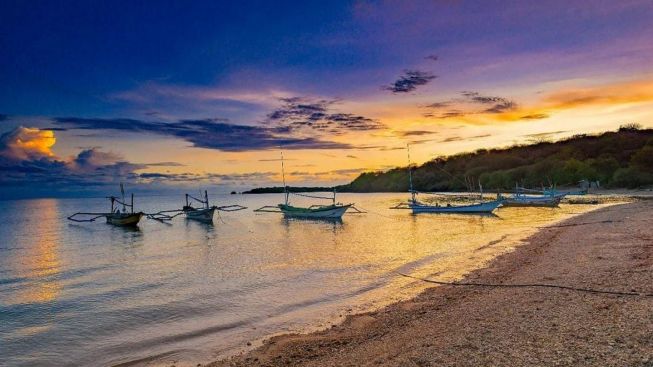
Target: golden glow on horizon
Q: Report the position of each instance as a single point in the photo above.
(565, 109)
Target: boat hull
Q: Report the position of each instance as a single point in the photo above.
(330, 211)
(487, 207)
(202, 215)
(124, 219)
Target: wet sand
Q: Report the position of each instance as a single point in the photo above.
(607, 249)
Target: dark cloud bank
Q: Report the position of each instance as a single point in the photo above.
(409, 81)
(298, 123)
(469, 104)
(206, 133)
(301, 113)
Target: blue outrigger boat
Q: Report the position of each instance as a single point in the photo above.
(419, 207)
(476, 208)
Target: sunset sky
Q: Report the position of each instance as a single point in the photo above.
(167, 94)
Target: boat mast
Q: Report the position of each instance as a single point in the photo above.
(410, 176)
(122, 192)
(480, 187)
(206, 199)
(283, 176)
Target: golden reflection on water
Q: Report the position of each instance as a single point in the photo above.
(40, 263)
(446, 247)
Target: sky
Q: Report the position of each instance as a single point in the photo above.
(173, 94)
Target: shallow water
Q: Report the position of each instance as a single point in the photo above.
(95, 294)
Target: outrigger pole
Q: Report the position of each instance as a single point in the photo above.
(410, 176)
(283, 177)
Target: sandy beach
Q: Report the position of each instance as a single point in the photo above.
(607, 249)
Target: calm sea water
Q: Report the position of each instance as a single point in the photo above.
(95, 294)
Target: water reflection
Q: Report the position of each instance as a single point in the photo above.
(199, 232)
(40, 262)
(314, 220)
(125, 235)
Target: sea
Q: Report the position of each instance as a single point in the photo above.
(184, 292)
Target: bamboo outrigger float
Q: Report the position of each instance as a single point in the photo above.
(114, 216)
(204, 213)
(334, 210)
(419, 207)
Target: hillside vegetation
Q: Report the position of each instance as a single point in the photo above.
(621, 159)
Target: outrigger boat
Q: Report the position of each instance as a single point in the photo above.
(115, 216)
(555, 192)
(519, 199)
(332, 211)
(419, 207)
(203, 214)
(531, 201)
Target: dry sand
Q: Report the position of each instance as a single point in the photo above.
(611, 248)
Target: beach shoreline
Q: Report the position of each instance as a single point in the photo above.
(609, 248)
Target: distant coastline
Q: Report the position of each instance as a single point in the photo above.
(279, 189)
(615, 160)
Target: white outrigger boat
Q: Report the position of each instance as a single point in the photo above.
(331, 211)
(115, 216)
(419, 207)
(204, 213)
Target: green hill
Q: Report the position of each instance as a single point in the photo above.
(621, 159)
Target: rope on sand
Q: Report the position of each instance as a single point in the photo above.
(580, 224)
(530, 285)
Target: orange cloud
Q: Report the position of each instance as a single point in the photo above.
(611, 94)
(25, 143)
(606, 95)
